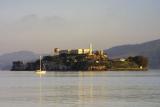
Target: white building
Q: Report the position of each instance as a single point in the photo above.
(77, 51)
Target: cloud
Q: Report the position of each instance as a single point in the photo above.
(35, 25)
(34, 19)
(29, 18)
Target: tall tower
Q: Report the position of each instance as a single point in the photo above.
(90, 49)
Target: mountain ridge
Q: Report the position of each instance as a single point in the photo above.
(150, 49)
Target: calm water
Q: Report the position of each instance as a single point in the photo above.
(80, 89)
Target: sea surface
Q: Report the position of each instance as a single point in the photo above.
(80, 89)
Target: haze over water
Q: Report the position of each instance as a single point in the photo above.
(80, 89)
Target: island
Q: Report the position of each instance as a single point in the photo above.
(83, 60)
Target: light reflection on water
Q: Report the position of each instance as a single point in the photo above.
(80, 89)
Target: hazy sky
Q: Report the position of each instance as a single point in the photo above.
(41, 25)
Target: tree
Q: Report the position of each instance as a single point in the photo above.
(141, 61)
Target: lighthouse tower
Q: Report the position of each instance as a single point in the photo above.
(90, 49)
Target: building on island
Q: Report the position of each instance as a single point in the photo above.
(83, 59)
(89, 51)
(18, 65)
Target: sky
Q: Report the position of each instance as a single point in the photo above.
(42, 25)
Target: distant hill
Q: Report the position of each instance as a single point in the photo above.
(149, 49)
(7, 59)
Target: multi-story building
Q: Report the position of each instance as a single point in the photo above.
(74, 51)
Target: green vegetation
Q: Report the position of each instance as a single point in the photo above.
(131, 63)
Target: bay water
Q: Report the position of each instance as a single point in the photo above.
(80, 89)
